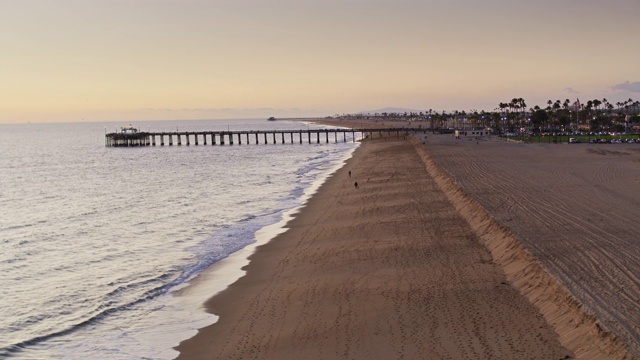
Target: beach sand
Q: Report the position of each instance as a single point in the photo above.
(568, 215)
(561, 219)
(399, 268)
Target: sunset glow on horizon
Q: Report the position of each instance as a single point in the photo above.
(100, 60)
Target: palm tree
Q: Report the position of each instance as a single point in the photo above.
(523, 106)
(503, 107)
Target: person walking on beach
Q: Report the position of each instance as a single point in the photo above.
(349, 173)
(356, 184)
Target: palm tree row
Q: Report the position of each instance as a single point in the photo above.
(593, 115)
(513, 116)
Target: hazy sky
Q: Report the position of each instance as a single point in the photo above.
(94, 60)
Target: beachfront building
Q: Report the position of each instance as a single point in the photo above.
(128, 130)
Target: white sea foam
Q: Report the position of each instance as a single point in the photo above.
(93, 239)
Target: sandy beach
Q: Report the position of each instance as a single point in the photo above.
(568, 211)
(393, 269)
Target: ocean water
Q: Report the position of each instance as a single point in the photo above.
(97, 244)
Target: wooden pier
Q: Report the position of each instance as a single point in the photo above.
(316, 136)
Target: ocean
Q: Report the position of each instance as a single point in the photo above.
(99, 247)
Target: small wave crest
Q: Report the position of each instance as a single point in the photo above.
(108, 308)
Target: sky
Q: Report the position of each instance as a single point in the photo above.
(128, 60)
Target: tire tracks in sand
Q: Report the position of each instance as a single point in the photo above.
(388, 271)
(580, 330)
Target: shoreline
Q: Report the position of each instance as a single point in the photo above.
(220, 275)
(298, 276)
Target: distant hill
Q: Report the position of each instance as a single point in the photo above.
(392, 110)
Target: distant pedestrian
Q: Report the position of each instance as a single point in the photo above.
(349, 173)
(356, 184)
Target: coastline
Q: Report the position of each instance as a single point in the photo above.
(375, 271)
(220, 275)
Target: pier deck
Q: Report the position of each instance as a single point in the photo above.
(128, 139)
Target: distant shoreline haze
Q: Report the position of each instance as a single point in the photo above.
(559, 110)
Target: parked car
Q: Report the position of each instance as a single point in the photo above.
(573, 141)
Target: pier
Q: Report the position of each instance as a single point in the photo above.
(134, 138)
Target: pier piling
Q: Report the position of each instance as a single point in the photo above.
(129, 139)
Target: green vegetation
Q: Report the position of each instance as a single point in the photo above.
(608, 138)
(514, 119)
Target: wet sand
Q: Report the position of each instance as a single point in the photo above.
(393, 269)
